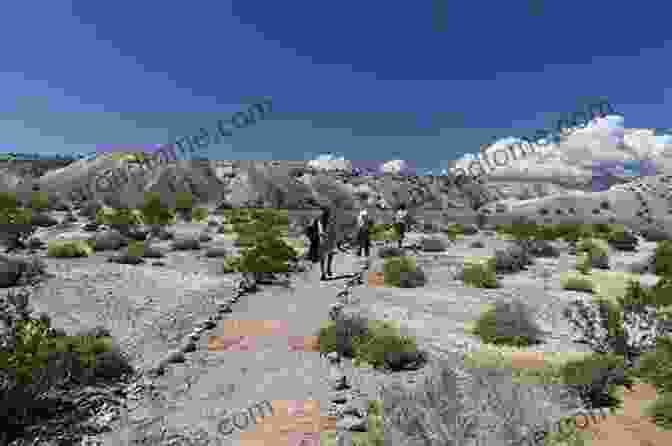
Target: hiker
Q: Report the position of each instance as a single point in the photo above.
(401, 222)
(314, 239)
(326, 229)
(363, 238)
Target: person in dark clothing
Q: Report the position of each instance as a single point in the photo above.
(314, 239)
(363, 238)
(401, 222)
(326, 227)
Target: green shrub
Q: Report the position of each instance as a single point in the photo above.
(585, 263)
(119, 217)
(200, 215)
(661, 411)
(663, 258)
(339, 335)
(231, 265)
(588, 376)
(655, 367)
(575, 282)
(381, 341)
(596, 247)
(155, 213)
(395, 267)
(268, 254)
(481, 274)
(508, 323)
(69, 248)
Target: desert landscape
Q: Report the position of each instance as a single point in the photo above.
(514, 302)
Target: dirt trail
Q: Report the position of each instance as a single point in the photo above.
(198, 394)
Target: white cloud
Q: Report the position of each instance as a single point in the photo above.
(393, 166)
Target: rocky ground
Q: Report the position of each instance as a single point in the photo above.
(151, 309)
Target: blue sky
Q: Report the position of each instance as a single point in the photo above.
(426, 80)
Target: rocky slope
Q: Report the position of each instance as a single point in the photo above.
(555, 182)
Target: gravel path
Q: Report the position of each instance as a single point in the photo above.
(197, 394)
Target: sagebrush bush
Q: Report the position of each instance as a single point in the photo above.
(339, 335)
(200, 215)
(595, 379)
(513, 259)
(383, 347)
(655, 367)
(268, 254)
(403, 272)
(661, 411)
(457, 406)
(231, 265)
(508, 323)
(36, 359)
(663, 258)
(480, 274)
(574, 282)
(68, 248)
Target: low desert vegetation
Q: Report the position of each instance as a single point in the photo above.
(480, 273)
(69, 248)
(370, 343)
(374, 435)
(45, 372)
(402, 272)
(508, 323)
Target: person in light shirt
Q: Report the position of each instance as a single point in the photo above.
(401, 222)
(363, 238)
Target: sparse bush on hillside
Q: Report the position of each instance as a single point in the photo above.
(200, 215)
(509, 323)
(595, 379)
(403, 272)
(480, 274)
(16, 225)
(662, 258)
(184, 204)
(655, 367)
(69, 248)
(577, 283)
(661, 411)
(155, 214)
(42, 368)
(512, 259)
(489, 407)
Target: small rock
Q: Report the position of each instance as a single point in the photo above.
(338, 397)
(352, 424)
(208, 324)
(194, 336)
(188, 346)
(175, 357)
(356, 407)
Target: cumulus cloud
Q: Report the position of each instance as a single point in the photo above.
(329, 162)
(394, 166)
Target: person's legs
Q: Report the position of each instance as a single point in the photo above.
(330, 261)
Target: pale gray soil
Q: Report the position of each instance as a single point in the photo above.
(150, 309)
